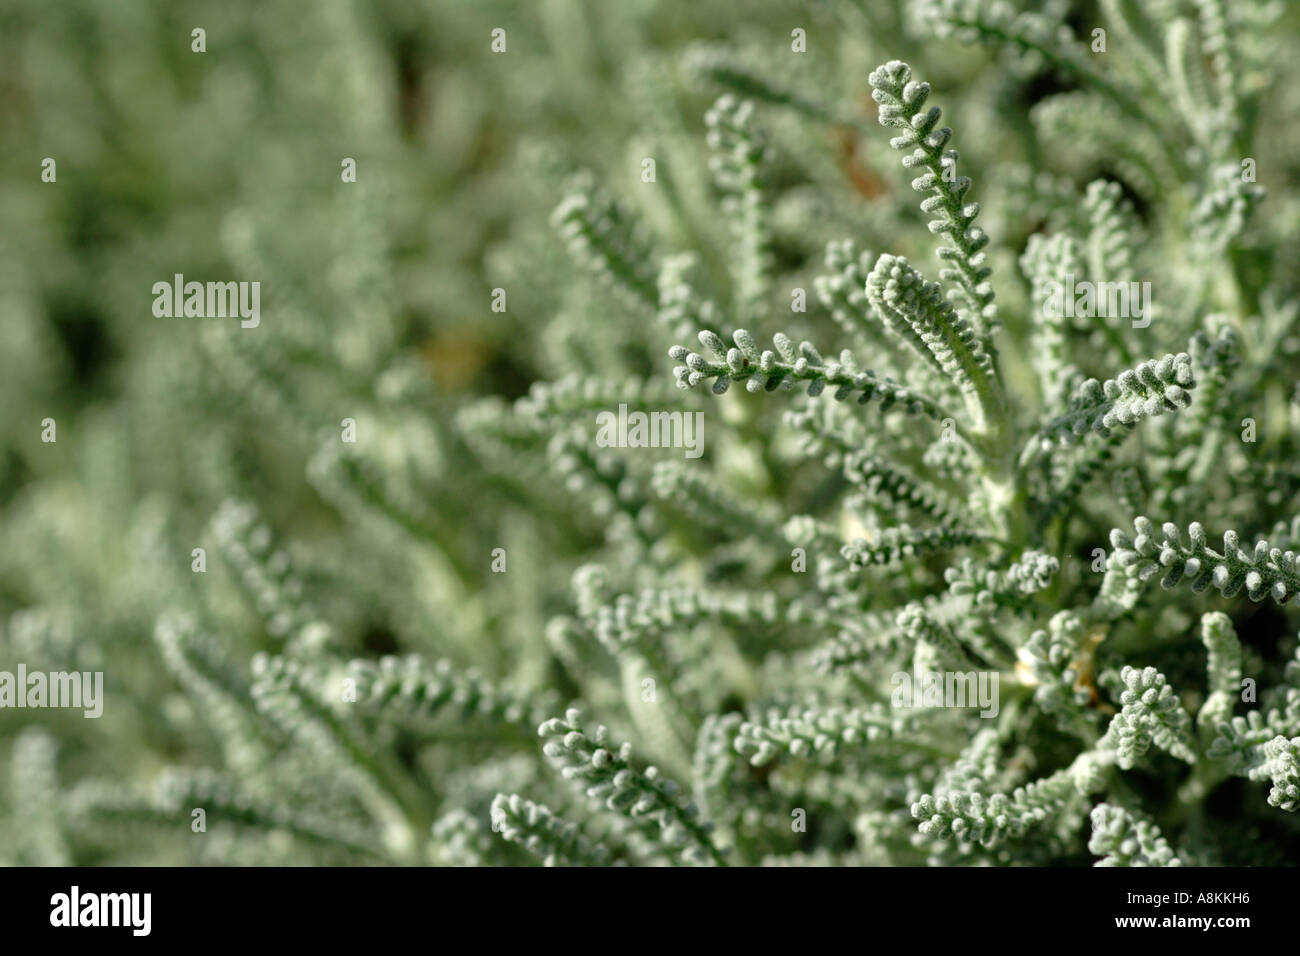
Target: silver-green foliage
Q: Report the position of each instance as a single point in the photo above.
(477, 637)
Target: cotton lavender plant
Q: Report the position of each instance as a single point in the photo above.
(990, 557)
